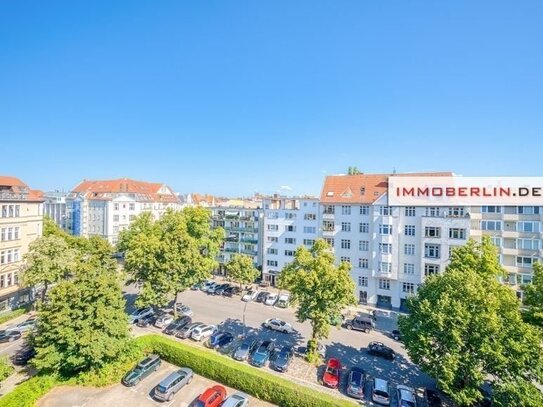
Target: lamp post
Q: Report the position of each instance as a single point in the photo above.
(244, 326)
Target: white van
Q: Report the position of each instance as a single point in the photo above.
(283, 301)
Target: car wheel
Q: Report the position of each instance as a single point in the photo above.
(285, 331)
(156, 368)
(190, 380)
(170, 397)
(11, 339)
(349, 327)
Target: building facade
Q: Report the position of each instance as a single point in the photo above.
(105, 208)
(288, 223)
(21, 222)
(54, 206)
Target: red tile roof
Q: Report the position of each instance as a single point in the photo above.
(13, 189)
(105, 189)
(361, 188)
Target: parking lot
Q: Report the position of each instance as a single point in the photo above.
(139, 395)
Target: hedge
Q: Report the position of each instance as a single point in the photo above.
(259, 383)
(12, 314)
(28, 393)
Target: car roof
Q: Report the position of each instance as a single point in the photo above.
(406, 393)
(173, 376)
(380, 384)
(358, 370)
(333, 362)
(234, 399)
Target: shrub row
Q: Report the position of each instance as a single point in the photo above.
(5, 317)
(28, 393)
(259, 383)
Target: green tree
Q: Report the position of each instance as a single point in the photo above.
(464, 326)
(533, 298)
(241, 269)
(49, 260)
(353, 171)
(320, 289)
(6, 368)
(82, 325)
(170, 254)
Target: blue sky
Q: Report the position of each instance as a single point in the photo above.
(232, 97)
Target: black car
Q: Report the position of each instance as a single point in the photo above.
(221, 289)
(231, 291)
(261, 297)
(10, 336)
(22, 357)
(380, 349)
(147, 321)
(432, 398)
(360, 323)
(281, 359)
(396, 335)
(356, 382)
(177, 325)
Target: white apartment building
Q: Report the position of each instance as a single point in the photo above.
(391, 249)
(104, 208)
(288, 223)
(55, 208)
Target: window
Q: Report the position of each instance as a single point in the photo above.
(271, 215)
(408, 288)
(345, 259)
(528, 210)
(364, 228)
(273, 228)
(309, 242)
(345, 210)
(523, 261)
(431, 269)
(363, 263)
(385, 248)
(491, 225)
(457, 233)
(4, 211)
(409, 211)
(385, 229)
(432, 211)
(15, 255)
(385, 267)
(364, 245)
(132, 206)
(528, 227)
(115, 229)
(290, 215)
(271, 250)
(409, 249)
(3, 234)
(289, 253)
(362, 281)
(290, 240)
(384, 284)
(329, 209)
(491, 209)
(131, 217)
(11, 211)
(328, 226)
(345, 244)
(528, 244)
(272, 263)
(116, 206)
(409, 268)
(290, 228)
(456, 211)
(410, 230)
(273, 239)
(362, 190)
(310, 216)
(345, 226)
(432, 231)
(364, 210)
(385, 210)
(432, 251)
(330, 241)
(115, 218)
(496, 241)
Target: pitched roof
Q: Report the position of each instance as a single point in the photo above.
(107, 189)
(361, 188)
(13, 189)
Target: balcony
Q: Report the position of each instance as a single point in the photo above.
(248, 240)
(328, 216)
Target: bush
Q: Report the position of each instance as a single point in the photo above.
(6, 369)
(261, 384)
(5, 317)
(29, 392)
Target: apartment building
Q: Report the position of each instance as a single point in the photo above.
(391, 249)
(288, 223)
(105, 208)
(21, 222)
(517, 232)
(54, 206)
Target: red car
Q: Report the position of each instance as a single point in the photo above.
(331, 374)
(212, 397)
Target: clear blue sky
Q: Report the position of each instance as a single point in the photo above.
(232, 97)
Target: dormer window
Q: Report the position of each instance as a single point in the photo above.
(362, 191)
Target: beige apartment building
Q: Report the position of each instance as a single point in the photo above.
(21, 222)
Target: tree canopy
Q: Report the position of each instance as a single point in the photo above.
(170, 254)
(533, 297)
(465, 327)
(320, 289)
(241, 269)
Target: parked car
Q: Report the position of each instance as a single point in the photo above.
(146, 321)
(281, 359)
(396, 335)
(432, 399)
(27, 325)
(380, 349)
(245, 349)
(231, 291)
(262, 295)
(197, 286)
(23, 355)
(187, 330)
(283, 301)
(331, 375)
(140, 313)
(184, 310)
(356, 382)
(380, 391)
(262, 354)
(278, 325)
(219, 340)
(405, 396)
(221, 289)
(9, 336)
(212, 397)
(271, 299)
(208, 285)
(302, 350)
(360, 323)
(172, 383)
(143, 369)
(203, 332)
(249, 296)
(164, 320)
(177, 325)
(238, 399)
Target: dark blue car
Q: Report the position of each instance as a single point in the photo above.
(262, 354)
(219, 339)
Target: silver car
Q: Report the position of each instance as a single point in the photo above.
(238, 399)
(174, 382)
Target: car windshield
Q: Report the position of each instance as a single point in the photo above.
(262, 349)
(381, 393)
(283, 354)
(200, 403)
(332, 370)
(406, 403)
(356, 377)
(162, 389)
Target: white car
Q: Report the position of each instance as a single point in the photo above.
(208, 285)
(203, 332)
(406, 396)
(380, 391)
(141, 313)
(184, 310)
(278, 325)
(249, 296)
(271, 299)
(164, 320)
(27, 325)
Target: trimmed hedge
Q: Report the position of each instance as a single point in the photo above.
(259, 383)
(28, 393)
(8, 316)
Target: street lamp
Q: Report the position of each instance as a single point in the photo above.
(244, 326)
